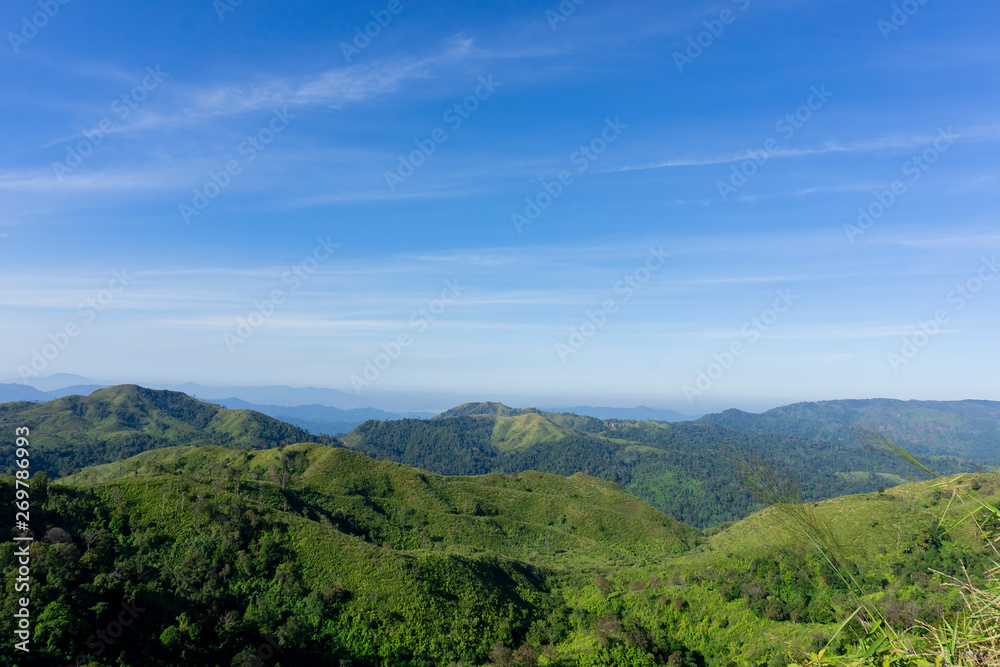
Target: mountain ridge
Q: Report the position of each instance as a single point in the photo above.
(927, 427)
(74, 431)
(677, 467)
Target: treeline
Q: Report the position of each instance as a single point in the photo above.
(451, 446)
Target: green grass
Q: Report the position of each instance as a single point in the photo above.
(524, 431)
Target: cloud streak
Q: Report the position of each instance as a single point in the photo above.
(335, 88)
(984, 133)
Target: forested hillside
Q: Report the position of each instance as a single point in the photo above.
(72, 432)
(679, 468)
(966, 429)
(330, 554)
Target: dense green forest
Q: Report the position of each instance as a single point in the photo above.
(676, 467)
(967, 429)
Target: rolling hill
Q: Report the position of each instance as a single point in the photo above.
(309, 554)
(329, 554)
(966, 429)
(678, 468)
(76, 431)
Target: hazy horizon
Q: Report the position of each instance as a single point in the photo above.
(439, 402)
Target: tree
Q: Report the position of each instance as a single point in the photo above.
(39, 484)
(56, 626)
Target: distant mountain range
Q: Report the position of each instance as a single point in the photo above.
(55, 386)
(316, 418)
(310, 402)
(48, 383)
(23, 392)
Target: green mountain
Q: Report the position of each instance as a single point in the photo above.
(488, 409)
(966, 429)
(679, 468)
(309, 554)
(332, 555)
(76, 431)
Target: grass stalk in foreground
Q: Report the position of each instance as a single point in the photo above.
(970, 640)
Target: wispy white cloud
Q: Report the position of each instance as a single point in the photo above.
(934, 241)
(889, 143)
(833, 331)
(740, 279)
(464, 258)
(106, 180)
(333, 88)
(845, 187)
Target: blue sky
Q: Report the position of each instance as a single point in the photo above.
(118, 116)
